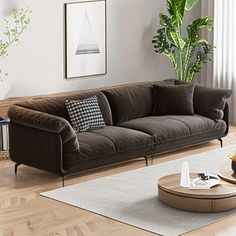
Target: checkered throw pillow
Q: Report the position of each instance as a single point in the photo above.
(85, 115)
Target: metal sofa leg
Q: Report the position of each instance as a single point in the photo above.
(16, 166)
(147, 160)
(63, 181)
(221, 142)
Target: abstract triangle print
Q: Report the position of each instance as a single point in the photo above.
(88, 43)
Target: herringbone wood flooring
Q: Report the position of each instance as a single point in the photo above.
(23, 212)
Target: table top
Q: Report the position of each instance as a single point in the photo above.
(227, 174)
(171, 184)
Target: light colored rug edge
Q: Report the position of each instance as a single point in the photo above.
(129, 224)
(96, 213)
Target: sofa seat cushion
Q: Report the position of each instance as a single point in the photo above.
(126, 139)
(198, 124)
(101, 147)
(91, 146)
(170, 128)
(110, 141)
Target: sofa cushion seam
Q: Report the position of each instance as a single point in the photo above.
(119, 152)
(202, 133)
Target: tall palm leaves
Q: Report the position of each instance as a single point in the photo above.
(187, 53)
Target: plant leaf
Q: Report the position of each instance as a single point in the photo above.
(198, 25)
(204, 23)
(176, 39)
(200, 42)
(164, 20)
(190, 4)
(176, 8)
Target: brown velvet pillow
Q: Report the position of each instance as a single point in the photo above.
(210, 102)
(173, 100)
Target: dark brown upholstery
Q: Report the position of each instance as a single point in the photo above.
(173, 100)
(45, 122)
(130, 102)
(108, 142)
(133, 101)
(169, 128)
(210, 102)
(126, 139)
(37, 148)
(198, 124)
(165, 82)
(161, 128)
(42, 137)
(56, 106)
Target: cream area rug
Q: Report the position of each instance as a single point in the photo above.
(132, 197)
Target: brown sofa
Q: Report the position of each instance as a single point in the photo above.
(41, 135)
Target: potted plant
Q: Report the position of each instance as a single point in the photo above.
(15, 25)
(184, 47)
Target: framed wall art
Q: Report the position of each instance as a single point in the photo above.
(85, 38)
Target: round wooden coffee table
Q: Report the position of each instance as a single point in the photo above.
(217, 199)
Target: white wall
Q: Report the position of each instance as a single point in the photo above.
(36, 66)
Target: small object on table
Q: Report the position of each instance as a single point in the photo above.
(205, 181)
(185, 178)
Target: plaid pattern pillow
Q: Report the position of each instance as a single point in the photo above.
(85, 115)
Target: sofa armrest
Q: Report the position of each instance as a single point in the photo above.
(36, 119)
(40, 140)
(226, 117)
(36, 148)
(43, 121)
(210, 102)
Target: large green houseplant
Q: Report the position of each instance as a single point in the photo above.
(15, 25)
(184, 47)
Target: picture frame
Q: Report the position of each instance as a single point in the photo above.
(85, 39)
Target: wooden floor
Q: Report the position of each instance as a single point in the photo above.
(23, 212)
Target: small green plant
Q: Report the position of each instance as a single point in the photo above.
(15, 25)
(187, 53)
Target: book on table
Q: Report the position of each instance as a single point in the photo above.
(205, 181)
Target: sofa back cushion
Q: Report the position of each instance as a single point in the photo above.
(130, 101)
(56, 105)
